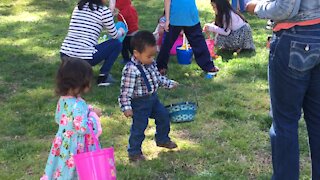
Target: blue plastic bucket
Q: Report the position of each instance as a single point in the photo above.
(184, 56)
(122, 25)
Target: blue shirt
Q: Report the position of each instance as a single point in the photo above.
(184, 13)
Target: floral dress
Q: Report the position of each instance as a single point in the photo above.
(72, 115)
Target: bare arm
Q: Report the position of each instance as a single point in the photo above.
(216, 29)
(112, 5)
(167, 4)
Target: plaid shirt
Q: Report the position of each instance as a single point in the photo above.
(133, 85)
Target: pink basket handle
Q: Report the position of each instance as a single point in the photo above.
(95, 140)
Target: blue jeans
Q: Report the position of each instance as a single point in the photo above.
(241, 5)
(294, 78)
(108, 52)
(143, 109)
(197, 42)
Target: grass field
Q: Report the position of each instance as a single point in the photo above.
(228, 139)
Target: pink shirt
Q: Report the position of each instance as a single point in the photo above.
(236, 23)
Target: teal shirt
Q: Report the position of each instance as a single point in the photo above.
(184, 13)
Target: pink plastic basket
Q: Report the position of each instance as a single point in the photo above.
(178, 42)
(96, 165)
(210, 44)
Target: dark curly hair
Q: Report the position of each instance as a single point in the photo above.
(81, 3)
(73, 74)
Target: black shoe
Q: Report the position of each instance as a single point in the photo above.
(137, 158)
(168, 145)
(105, 80)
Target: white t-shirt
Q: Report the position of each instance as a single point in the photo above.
(236, 23)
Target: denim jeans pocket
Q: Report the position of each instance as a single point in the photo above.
(304, 56)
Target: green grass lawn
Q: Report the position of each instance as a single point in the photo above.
(228, 139)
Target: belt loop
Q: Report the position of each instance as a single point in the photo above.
(293, 30)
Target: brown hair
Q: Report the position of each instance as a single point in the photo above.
(224, 11)
(73, 74)
(141, 40)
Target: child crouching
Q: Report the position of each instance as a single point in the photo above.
(138, 99)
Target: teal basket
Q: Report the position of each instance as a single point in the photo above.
(182, 112)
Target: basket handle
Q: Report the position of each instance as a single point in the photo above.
(124, 20)
(89, 123)
(194, 92)
(95, 140)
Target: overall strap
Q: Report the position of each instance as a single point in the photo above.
(144, 76)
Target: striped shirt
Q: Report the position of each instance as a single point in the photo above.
(133, 85)
(84, 31)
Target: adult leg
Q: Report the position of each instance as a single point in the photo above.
(162, 119)
(170, 38)
(199, 47)
(311, 108)
(287, 90)
(141, 112)
(311, 105)
(108, 52)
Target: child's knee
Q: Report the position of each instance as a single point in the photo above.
(164, 116)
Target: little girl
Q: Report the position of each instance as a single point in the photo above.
(73, 115)
(233, 31)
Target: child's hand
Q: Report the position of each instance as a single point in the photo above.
(115, 12)
(166, 27)
(175, 85)
(128, 113)
(97, 111)
(205, 28)
(251, 6)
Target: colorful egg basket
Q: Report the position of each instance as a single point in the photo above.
(183, 111)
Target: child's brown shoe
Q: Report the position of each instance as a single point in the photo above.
(137, 158)
(168, 145)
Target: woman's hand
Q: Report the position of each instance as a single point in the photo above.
(122, 32)
(251, 6)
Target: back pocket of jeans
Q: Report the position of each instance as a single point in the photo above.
(304, 56)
